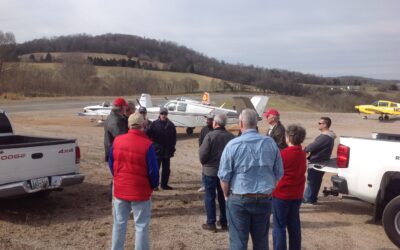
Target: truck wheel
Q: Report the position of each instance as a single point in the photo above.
(391, 220)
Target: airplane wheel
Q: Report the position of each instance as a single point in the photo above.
(189, 131)
(386, 117)
(365, 117)
(380, 118)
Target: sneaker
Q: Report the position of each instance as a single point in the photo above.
(209, 227)
(202, 189)
(167, 187)
(155, 189)
(309, 202)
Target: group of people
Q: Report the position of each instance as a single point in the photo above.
(135, 148)
(253, 176)
(250, 175)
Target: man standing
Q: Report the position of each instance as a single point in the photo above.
(133, 164)
(208, 128)
(115, 124)
(250, 167)
(318, 151)
(204, 131)
(163, 134)
(210, 154)
(147, 122)
(276, 130)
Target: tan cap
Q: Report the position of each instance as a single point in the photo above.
(135, 119)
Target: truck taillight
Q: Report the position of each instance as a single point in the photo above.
(343, 156)
(77, 155)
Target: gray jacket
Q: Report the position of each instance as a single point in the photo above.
(114, 125)
(321, 148)
(211, 150)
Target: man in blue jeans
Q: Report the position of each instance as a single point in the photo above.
(250, 167)
(133, 164)
(318, 151)
(210, 154)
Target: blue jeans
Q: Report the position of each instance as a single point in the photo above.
(248, 215)
(165, 164)
(142, 214)
(212, 187)
(286, 214)
(314, 180)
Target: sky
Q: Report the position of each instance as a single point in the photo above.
(325, 37)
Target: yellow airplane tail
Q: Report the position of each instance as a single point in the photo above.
(206, 98)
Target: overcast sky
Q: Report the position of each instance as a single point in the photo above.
(325, 37)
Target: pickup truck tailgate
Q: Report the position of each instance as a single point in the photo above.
(26, 163)
(326, 166)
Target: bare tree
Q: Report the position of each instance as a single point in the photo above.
(7, 52)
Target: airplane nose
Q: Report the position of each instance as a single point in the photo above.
(357, 108)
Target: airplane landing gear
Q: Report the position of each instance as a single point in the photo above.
(381, 118)
(365, 117)
(386, 117)
(189, 131)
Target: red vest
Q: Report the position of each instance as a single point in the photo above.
(131, 179)
(291, 185)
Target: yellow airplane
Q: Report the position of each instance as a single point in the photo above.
(382, 108)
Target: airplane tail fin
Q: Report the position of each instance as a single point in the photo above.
(145, 101)
(206, 98)
(257, 103)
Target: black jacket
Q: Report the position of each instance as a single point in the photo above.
(114, 125)
(204, 131)
(163, 135)
(278, 134)
(211, 149)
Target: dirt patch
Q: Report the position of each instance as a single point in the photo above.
(80, 217)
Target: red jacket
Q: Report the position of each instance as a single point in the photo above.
(291, 185)
(131, 179)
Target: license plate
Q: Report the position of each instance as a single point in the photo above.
(40, 183)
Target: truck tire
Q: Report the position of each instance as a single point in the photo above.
(391, 220)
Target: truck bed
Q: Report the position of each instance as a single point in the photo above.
(19, 141)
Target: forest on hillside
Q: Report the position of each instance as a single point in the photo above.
(173, 58)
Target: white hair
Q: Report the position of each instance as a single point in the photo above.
(220, 120)
(249, 118)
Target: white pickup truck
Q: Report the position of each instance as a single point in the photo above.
(35, 164)
(369, 169)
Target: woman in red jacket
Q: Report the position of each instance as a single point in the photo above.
(288, 194)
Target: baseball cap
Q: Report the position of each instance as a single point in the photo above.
(271, 111)
(163, 110)
(120, 102)
(142, 110)
(135, 119)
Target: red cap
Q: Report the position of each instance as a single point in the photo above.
(271, 112)
(120, 102)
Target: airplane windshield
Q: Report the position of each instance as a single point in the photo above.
(171, 106)
(375, 104)
(383, 104)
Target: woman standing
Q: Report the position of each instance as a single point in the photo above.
(288, 194)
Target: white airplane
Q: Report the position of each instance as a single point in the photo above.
(190, 113)
(101, 111)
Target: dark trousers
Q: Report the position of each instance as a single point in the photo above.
(314, 180)
(212, 188)
(286, 214)
(164, 163)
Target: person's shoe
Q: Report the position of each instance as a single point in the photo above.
(202, 189)
(309, 202)
(224, 227)
(155, 189)
(209, 227)
(167, 187)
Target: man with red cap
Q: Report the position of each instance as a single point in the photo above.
(276, 130)
(116, 124)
